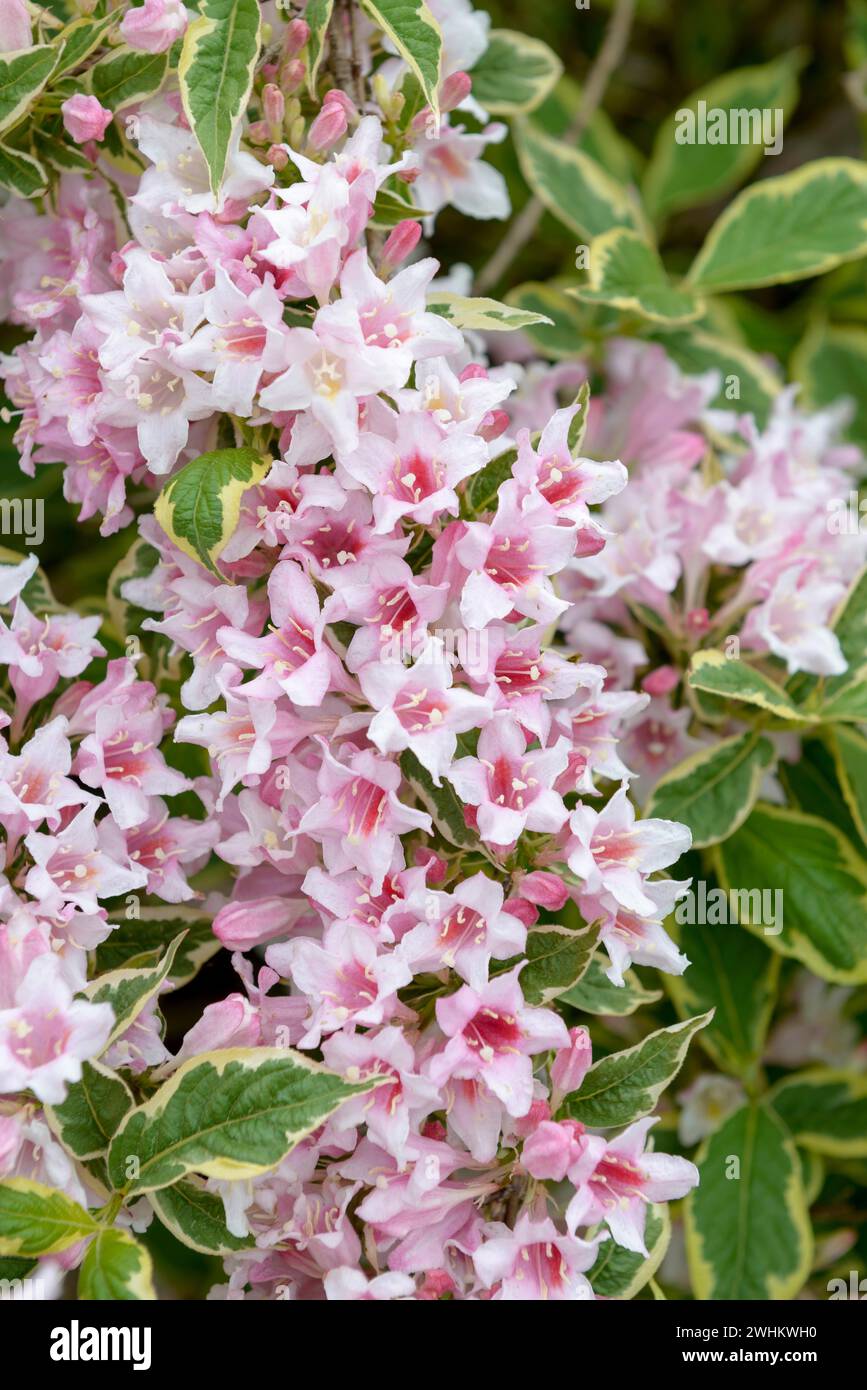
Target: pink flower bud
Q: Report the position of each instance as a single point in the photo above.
(436, 1283)
(292, 74)
(232, 1022)
(14, 26)
(244, 924)
(697, 622)
(84, 118)
(436, 866)
(402, 241)
(273, 104)
(336, 97)
(277, 156)
(454, 90)
(474, 371)
(572, 1063)
(434, 1129)
(495, 423)
(297, 34)
(661, 681)
(523, 910)
(552, 1149)
(154, 26)
(258, 133)
(544, 889)
(328, 127)
(539, 1111)
(408, 174)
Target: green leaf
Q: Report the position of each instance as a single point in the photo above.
(595, 993)
(573, 187)
(117, 1268)
(811, 785)
(390, 208)
(787, 228)
(200, 506)
(825, 1111)
(626, 1085)
(823, 883)
(714, 790)
(126, 76)
(442, 803)
(563, 335)
(831, 363)
(746, 382)
(92, 1112)
(230, 1114)
(129, 990)
(842, 698)
(686, 175)
(734, 974)
(216, 75)
(626, 273)
(22, 77)
(557, 958)
(416, 36)
(38, 1220)
(78, 40)
(515, 73)
(21, 173)
(197, 1218)
(318, 16)
(718, 674)
(482, 315)
(850, 759)
(748, 1236)
(483, 487)
(151, 933)
(621, 1273)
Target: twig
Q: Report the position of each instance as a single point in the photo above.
(607, 59)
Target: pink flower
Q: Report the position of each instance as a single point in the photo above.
(123, 758)
(510, 559)
(462, 930)
(512, 790)
(390, 1111)
(84, 119)
(534, 1261)
(294, 657)
(572, 1063)
(75, 866)
(420, 708)
(15, 30)
(345, 1284)
(610, 850)
(492, 1037)
(42, 651)
(624, 1181)
(155, 25)
(48, 1034)
(359, 817)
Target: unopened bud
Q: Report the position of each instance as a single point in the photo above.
(336, 97)
(329, 126)
(277, 156)
(274, 106)
(292, 75)
(297, 35)
(454, 90)
(402, 241)
(661, 681)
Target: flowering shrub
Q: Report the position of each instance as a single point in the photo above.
(470, 728)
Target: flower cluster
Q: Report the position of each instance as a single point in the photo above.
(404, 769)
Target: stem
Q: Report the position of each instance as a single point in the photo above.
(607, 59)
(110, 1211)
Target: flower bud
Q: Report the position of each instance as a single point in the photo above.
(297, 35)
(241, 925)
(277, 156)
(14, 26)
(544, 889)
(551, 1150)
(328, 127)
(661, 681)
(454, 90)
(274, 106)
(572, 1063)
(84, 118)
(154, 26)
(401, 242)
